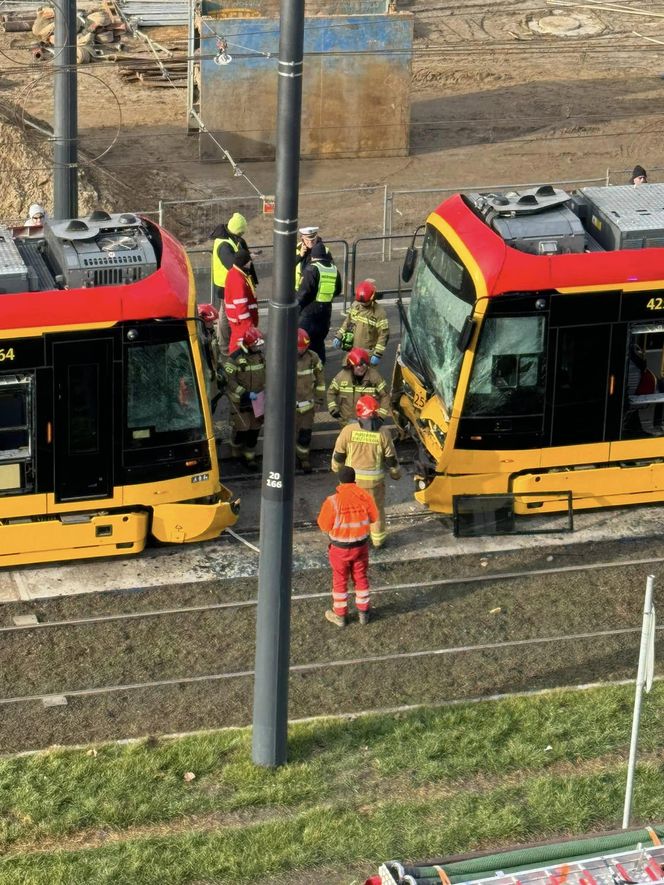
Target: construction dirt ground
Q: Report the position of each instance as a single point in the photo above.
(502, 92)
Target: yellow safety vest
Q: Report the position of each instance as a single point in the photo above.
(327, 282)
(298, 267)
(219, 270)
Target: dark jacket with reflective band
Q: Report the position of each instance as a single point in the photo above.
(321, 282)
(368, 452)
(301, 262)
(345, 390)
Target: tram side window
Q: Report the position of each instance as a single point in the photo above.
(579, 397)
(162, 396)
(509, 368)
(14, 424)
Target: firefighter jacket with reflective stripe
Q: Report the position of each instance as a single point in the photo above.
(345, 390)
(368, 452)
(365, 326)
(310, 381)
(347, 515)
(239, 297)
(245, 372)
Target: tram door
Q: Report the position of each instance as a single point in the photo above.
(580, 391)
(83, 419)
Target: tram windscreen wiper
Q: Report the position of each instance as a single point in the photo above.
(421, 365)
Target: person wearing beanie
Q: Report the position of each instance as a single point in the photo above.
(36, 216)
(228, 238)
(346, 518)
(321, 282)
(309, 237)
(639, 176)
(240, 305)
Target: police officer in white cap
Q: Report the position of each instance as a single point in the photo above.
(309, 236)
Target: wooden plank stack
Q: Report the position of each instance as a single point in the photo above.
(148, 70)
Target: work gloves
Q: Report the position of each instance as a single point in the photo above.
(374, 360)
(336, 343)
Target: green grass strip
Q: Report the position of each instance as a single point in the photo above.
(538, 807)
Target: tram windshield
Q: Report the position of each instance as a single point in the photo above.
(443, 297)
(162, 399)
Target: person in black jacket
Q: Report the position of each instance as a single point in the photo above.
(321, 282)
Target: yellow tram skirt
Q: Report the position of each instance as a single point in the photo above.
(72, 536)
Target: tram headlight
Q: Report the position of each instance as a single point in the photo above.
(132, 334)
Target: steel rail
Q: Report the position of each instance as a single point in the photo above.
(304, 597)
(325, 665)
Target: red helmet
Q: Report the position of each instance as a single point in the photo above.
(303, 340)
(365, 291)
(253, 337)
(357, 357)
(208, 313)
(366, 407)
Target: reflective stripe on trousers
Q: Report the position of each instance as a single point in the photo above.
(378, 528)
(349, 562)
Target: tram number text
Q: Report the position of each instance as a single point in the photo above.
(274, 480)
(419, 399)
(655, 304)
(6, 353)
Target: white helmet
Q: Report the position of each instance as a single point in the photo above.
(36, 209)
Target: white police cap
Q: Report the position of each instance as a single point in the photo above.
(309, 231)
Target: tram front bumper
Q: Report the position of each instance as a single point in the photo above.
(187, 523)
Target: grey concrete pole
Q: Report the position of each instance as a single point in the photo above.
(270, 732)
(640, 685)
(65, 128)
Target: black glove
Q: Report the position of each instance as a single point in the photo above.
(336, 414)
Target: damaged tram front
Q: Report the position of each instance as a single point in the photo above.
(532, 359)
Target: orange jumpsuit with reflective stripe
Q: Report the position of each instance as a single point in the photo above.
(346, 517)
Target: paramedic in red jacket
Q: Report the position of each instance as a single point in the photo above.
(240, 305)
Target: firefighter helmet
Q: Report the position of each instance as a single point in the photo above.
(303, 340)
(366, 407)
(365, 291)
(358, 356)
(253, 337)
(208, 313)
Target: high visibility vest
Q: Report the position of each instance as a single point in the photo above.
(219, 270)
(327, 282)
(298, 267)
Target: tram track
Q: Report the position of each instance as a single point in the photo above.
(127, 673)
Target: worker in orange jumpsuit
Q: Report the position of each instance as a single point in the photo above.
(240, 305)
(346, 517)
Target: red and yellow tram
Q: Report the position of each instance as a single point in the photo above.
(532, 359)
(106, 433)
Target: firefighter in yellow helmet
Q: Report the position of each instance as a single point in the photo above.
(367, 447)
(356, 379)
(366, 324)
(309, 393)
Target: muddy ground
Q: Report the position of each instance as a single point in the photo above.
(501, 92)
(450, 615)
